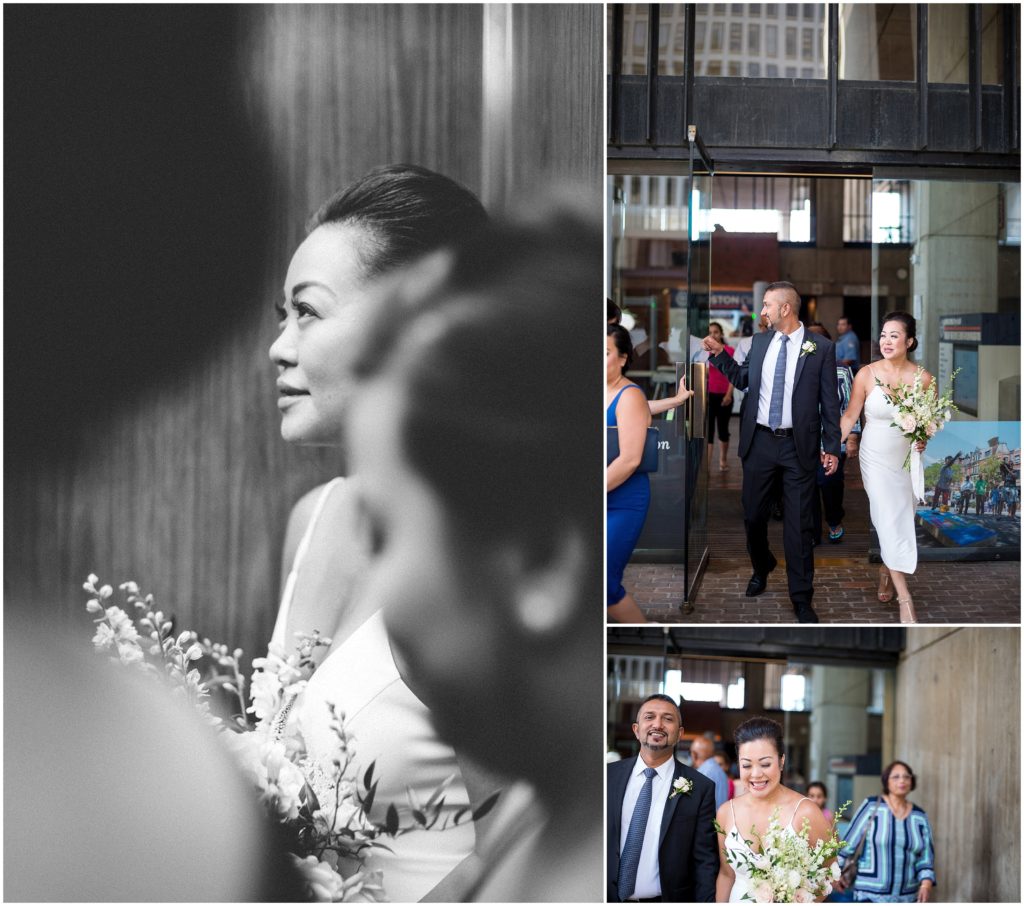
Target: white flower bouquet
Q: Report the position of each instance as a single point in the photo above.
(325, 801)
(920, 415)
(784, 867)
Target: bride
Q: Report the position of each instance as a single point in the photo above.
(883, 450)
(390, 217)
(761, 757)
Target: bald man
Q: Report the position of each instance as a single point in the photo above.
(702, 754)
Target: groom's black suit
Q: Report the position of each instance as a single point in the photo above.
(815, 408)
(688, 850)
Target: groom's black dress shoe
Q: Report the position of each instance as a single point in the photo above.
(805, 613)
(756, 585)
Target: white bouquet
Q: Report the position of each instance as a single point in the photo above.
(329, 834)
(784, 867)
(920, 415)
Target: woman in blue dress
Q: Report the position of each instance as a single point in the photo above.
(629, 491)
(897, 861)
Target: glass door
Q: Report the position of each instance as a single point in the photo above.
(660, 248)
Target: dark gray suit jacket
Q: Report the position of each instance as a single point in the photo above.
(815, 396)
(688, 851)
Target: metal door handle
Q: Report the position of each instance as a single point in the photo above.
(698, 411)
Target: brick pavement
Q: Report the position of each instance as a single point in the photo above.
(845, 589)
(845, 581)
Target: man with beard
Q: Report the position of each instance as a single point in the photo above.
(662, 844)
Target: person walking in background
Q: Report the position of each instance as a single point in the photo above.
(661, 833)
(702, 752)
(817, 792)
(847, 345)
(628, 489)
(726, 765)
(891, 841)
(719, 404)
(832, 487)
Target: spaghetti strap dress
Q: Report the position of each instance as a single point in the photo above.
(883, 450)
(627, 511)
(392, 728)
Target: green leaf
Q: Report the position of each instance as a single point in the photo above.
(391, 820)
(368, 801)
(368, 776)
(420, 818)
(487, 805)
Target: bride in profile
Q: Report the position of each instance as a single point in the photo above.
(387, 219)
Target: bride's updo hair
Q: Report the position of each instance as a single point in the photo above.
(909, 325)
(406, 212)
(760, 728)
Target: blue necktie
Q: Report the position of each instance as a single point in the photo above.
(778, 387)
(629, 860)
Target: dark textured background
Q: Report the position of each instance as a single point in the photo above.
(160, 164)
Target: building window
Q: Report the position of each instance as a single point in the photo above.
(1009, 213)
(735, 37)
(723, 682)
(754, 70)
(771, 39)
(877, 211)
(790, 43)
(787, 688)
(754, 39)
(878, 41)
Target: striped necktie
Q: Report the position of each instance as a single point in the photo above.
(778, 386)
(629, 860)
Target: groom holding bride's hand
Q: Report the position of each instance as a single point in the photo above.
(791, 413)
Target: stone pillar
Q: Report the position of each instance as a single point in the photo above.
(839, 719)
(954, 263)
(829, 236)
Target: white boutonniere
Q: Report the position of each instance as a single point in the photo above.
(680, 785)
(809, 348)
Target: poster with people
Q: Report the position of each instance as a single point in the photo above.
(971, 509)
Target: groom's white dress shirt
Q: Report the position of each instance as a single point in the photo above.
(764, 399)
(648, 876)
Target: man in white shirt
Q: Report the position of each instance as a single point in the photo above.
(662, 844)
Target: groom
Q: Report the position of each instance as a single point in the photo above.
(662, 843)
(791, 413)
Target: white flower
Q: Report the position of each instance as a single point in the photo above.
(809, 348)
(793, 879)
(680, 785)
(324, 884)
(802, 896)
(763, 892)
(129, 653)
(907, 422)
(104, 637)
(762, 862)
(836, 871)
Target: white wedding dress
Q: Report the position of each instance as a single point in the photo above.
(392, 727)
(743, 886)
(883, 450)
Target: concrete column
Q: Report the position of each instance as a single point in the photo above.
(839, 720)
(954, 264)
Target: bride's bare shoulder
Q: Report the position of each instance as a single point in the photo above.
(298, 520)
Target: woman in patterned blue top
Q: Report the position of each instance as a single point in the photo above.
(897, 862)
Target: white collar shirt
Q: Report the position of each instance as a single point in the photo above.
(648, 875)
(764, 399)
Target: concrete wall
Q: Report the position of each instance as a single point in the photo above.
(957, 724)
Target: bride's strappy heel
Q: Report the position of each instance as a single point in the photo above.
(908, 603)
(885, 587)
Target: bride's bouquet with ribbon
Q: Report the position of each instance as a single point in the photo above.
(784, 867)
(325, 802)
(920, 415)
